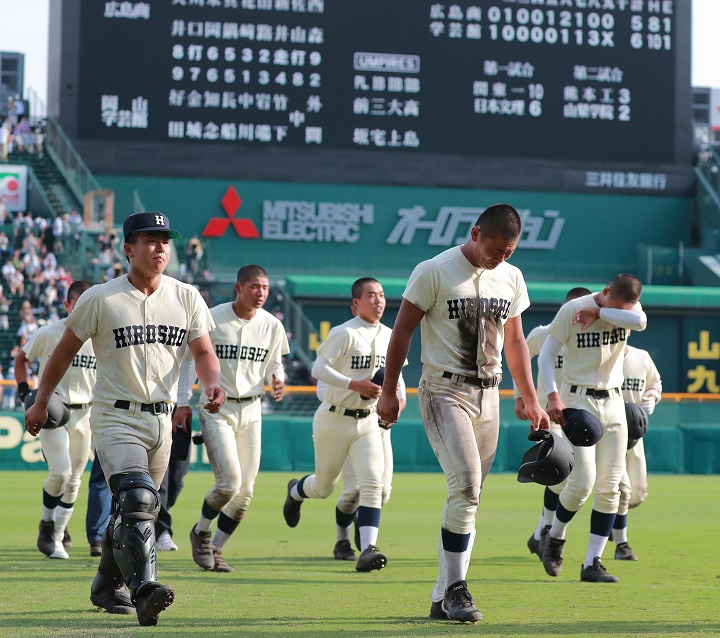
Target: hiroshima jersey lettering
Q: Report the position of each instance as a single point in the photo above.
(246, 348)
(466, 309)
(598, 339)
(139, 335)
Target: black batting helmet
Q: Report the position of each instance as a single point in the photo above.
(582, 428)
(637, 422)
(378, 379)
(547, 463)
(58, 413)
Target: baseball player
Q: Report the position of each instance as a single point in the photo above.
(66, 449)
(593, 330)
(250, 344)
(140, 324)
(468, 300)
(535, 339)
(345, 424)
(642, 386)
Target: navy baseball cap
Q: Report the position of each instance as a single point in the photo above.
(152, 222)
(582, 428)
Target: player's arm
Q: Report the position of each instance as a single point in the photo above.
(20, 364)
(408, 318)
(546, 372)
(653, 390)
(518, 360)
(186, 380)
(207, 367)
(54, 370)
(275, 378)
(323, 371)
(630, 318)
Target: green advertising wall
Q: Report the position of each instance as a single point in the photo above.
(684, 437)
(293, 228)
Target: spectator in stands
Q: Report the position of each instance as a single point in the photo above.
(8, 394)
(193, 256)
(4, 243)
(75, 227)
(12, 111)
(39, 142)
(28, 324)
(115, 271)
(16, 281)
(5, 137)
(58, 228)
(22, 135)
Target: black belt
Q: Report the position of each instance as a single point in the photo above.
(595, 394)
(156, 408)
(244, 399)
(360, 413)
(76, 406)
(477, 381)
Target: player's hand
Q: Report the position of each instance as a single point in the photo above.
(181, 416)
(278, 388)
(520, 409)
(366, 388)
(216, 397)
(388, 407)
(384, 424)
(539, 419)
(586, 317)
(35, 417)
(555, 408)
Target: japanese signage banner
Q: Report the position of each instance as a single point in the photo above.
(13, 186)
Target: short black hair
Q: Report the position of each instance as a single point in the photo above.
(251, 271)
(576, 293)
(76, 289)
(359, 286)
(500, 220)
(627, 288)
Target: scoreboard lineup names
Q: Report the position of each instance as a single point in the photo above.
(262, 74)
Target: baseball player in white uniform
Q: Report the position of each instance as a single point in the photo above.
(66, 449)
(468, 300)
(593, 331)
(642, 386)
(346, 423)
(250, 343)
(535, 340)
(140, 325)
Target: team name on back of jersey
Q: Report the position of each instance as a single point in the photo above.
(365, 362)
(137, 335)
(604, 338)
(244, 353)
(633, 385)
(479, 307)
(84, 361)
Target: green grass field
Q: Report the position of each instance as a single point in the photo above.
(288, 584)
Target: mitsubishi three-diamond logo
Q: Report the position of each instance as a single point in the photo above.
(217, 226)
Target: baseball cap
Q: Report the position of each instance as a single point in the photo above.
(149, 222)
(582, 428)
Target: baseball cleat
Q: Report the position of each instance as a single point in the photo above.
(291, 508)
(458, 604)
(46, 537)
(343, 551)
(201, 549)
(437, 612)
(552, 555)
(152, 601)
(596, 573)
(371, 559)
(59, 551)
(164, 543)
(66, 541)
(623, 551)
(105, 596)
(96, 548)
(220, 564)
(536, 546)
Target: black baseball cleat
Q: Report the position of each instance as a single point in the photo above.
(623, 551)
(596, 573)
(46, 537)
(220, 564)
(437, 612)
(371, 559)
(458, 604)
(536, 546)
(66, 541)
(96, 548)
(343, 551)
(291, 508)
(151, 601)
(552, 555)
(104, 594)
(202, 552)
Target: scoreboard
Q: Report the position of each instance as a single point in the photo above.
(385, 84)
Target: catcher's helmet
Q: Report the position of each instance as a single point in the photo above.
(377, 379)
(547, 463)
(637, 422)
(58, 413)
(582, 428)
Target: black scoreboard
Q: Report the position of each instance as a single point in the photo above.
(566, 81)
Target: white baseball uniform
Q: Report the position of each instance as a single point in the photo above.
(139, 341)
(642, 386)
(66, 449)
(250, 353)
